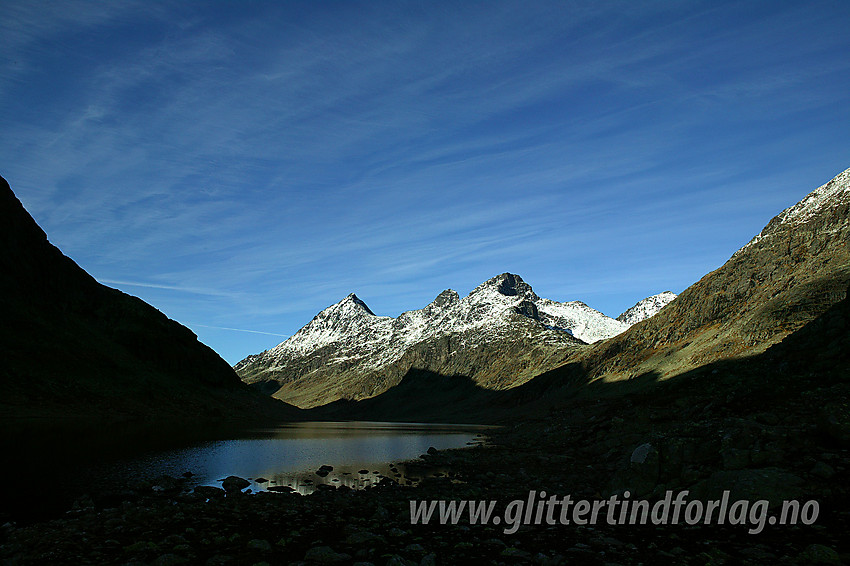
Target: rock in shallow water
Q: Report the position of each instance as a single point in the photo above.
(232, 484)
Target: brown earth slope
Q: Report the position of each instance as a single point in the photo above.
(783, 278)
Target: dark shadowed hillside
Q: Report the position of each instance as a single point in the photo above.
(71, 346)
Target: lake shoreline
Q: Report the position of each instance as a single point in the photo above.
(56, 465)
(585, 450)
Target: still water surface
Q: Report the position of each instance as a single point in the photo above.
(47, 470)
(290, 454)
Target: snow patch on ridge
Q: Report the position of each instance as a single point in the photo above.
(647, 308)
(831, 194)
(583, 322)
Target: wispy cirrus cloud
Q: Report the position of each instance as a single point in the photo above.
(192, 290)
(245, 166)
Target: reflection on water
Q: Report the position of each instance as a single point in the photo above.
(289, 455)
(353, 477)
(67, 464)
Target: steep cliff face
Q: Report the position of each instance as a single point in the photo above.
(72, 345)
(786, 276)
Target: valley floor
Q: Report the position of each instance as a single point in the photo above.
(761, 433)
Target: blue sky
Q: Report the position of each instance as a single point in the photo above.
(242, 165)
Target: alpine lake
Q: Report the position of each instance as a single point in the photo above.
(55, 469)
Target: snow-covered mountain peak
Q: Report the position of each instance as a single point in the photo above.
(451, 333)
(832, 193)
(336, 322)
(646, 308)
(350, 306)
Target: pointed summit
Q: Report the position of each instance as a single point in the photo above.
(509, 285)
(349, 307)
(355, 302)
(447, 297)
(338, 322)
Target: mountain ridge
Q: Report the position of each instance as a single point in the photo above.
(346, 351)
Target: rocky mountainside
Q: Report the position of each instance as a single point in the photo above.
(71, 346)
(647, 308)
(786, 276)
(501, 335)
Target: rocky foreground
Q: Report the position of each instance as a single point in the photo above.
(787, 438)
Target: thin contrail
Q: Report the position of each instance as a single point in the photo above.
(239, 330)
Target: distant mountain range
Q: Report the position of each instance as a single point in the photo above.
(73, 347)
(501, 335)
